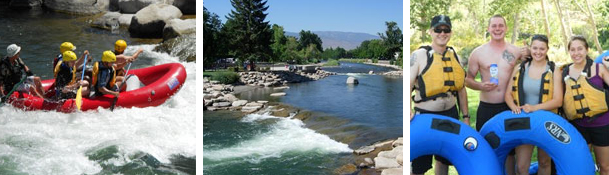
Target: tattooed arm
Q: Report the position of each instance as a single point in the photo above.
(414, 70)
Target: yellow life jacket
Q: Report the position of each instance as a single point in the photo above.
(58, 67)
(582, 99)
(96, 71)
(547, 82)
(442, 74)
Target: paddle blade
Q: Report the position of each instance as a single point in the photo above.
(78, 99)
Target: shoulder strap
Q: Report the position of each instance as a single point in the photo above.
(552, 65)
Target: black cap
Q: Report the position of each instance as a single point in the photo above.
(440, 20)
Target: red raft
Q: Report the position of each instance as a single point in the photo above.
(160, 83)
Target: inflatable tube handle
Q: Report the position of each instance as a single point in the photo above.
(446, 126)
(515, 124)
(492, 139)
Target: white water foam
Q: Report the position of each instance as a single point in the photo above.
(38, 142)
(287, 135)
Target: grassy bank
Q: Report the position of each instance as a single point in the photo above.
(223, 76)
(353, 60)
(332, 62)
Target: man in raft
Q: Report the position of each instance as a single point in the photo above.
(67, 80)
(13, 70)
(122, 60)
(104, 75)
(437, 94)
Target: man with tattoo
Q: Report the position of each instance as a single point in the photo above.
(502, 54)
(437, 78)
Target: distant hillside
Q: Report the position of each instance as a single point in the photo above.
(346, 40)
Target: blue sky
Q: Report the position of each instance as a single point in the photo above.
(365, 16)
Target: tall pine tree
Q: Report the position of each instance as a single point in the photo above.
(250, 35)
(392, 40)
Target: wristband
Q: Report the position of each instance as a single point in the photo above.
(465, 116)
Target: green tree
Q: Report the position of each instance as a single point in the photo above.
(211, 38)
(291, 53)
(392, 39)
(311, 52)
(421, 12)
(307, 38)
(250, 34)
(279, 42)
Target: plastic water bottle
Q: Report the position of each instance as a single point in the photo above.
(494, 71)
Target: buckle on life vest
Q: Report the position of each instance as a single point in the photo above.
(448, 69)
(445, 59)
(546, 81)
(577, 86)
(545, 91)
(449, 83)
(514, 88)
(578, 97)
(583, 110)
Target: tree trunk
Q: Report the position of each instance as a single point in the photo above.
(593, 23)
(515, 30)
(422, 30)
(545, 15)
(562, 26)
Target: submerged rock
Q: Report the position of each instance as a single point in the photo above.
(182, 47)
(87, 7)
(352, 80)
(107, 22)
(178, 27)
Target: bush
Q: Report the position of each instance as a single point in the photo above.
(390, 62)
(232, 69)
(332, 62)
(375, 60)
(224, 77)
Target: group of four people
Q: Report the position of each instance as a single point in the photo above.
(104, 78)
(523, 79)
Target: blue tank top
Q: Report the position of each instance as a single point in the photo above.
(531, 87)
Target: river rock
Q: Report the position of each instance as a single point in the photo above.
(132, 6)
(207, 102)
(222, 104)
(178, 27)
(385, 163)
(364, 150)
(250, 109)
(346, 169)
(278, 94)
(400, 158)
(182, 47)
(352, 80)
(398, 142)
(371, 72)
(392, 171)
(239, 102)
(282, 87)
(150, 21)
(229, 97)
(107, 22)
(262, 101)
(391, 154)
(24, 4)
(125, 19)
(187, 7)
(86, 7)
(368, 160)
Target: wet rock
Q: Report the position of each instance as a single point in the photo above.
(239, 102)
(262, 101)
(250, 109)
(229, 98)
(182, 47)
(398, 142)
(391, 154)
(107, 22)
(281, 88)
(400, 158)
(125, 19)
(352, 80)
(207, 103)
(385, 163)
(222, 104)
(371, 72)
(278, 94)
(364, 150)
(24, 4)
(393, 171)
(86, 7)
(346, 169)
(150, 21)
(187, 7)
(178, 27)
(132, 6)
(368, 160)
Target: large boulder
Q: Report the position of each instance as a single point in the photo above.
(150, 21)
(178, 27)
(352, 80)
(188, 7)
(125, 19)
(24, 4)
(183, 47)
(86, 7)
(133, 6)
(108, 22)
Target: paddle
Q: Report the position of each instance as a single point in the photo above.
(11, 92)
(119, 88)
(78, 99)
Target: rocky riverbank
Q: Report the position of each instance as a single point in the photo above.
(218, 96)
(276, 78)
(384, 157)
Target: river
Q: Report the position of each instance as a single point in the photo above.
(152, 140)
(342, 118)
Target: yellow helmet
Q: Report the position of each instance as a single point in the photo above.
(108, 56)
(65, 46)
(120, 46)
(69, 56)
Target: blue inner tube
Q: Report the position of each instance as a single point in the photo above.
(544, 129)
(453, 140)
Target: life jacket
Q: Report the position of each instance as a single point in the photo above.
(442, 74)
(582, 99)
(58, 68)
(12, 73)
(57, 59)
(95, 73)
(547, 82)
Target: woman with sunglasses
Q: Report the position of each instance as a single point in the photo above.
(532, 86)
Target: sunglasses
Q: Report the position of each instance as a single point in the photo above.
(438, 30)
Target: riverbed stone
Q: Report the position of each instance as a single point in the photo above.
(371, 72)
(400, 158)
(352, 80)
(239, 102)
(188, 7)
(132, 6)
(398, 142)
(107, 22)
(178, 27)
(364, 150)
(278, 94)
(222, 104)
(346, 169)
(385, 163)
(392, 171)
(150, 21)
(125, 19)
(182, 47)
(86, 7)
(391, 154)
(281, 88)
